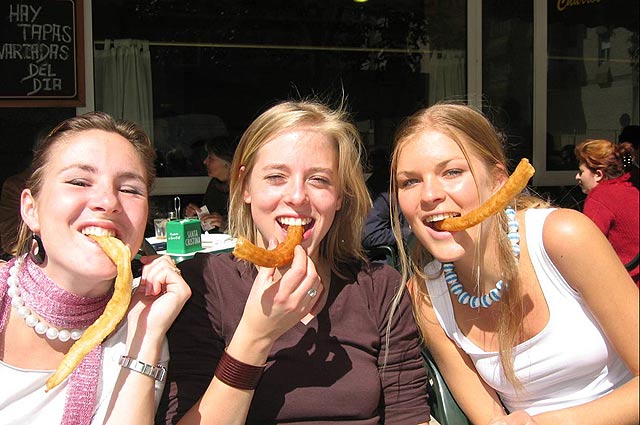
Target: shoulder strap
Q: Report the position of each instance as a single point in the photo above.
(633, 263)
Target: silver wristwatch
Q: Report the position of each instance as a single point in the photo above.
(155, 372)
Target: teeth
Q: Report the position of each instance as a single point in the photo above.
(97, 231)
(291, 221)
(439, 217)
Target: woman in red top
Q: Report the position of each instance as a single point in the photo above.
(612, 200)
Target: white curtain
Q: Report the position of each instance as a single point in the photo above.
(123, 81)
(447, 77)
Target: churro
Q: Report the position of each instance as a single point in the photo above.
(277, 257)
(113, 313)
(497, 202)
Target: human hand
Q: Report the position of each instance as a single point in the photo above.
(519, 417)
(191, 210)
(159, 298)
(276, 305)
(212, 220)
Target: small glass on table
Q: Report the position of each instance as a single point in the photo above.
(160, 227)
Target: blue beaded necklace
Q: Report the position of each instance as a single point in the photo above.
(484, 300)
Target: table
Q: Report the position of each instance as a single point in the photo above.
(212, 243)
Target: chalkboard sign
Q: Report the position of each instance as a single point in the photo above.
(41, 53)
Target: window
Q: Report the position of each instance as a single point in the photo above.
(592, 77)
(217, 65)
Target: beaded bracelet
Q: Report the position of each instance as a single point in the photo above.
(237, 374)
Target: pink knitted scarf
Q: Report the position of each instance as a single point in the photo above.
(63, 310)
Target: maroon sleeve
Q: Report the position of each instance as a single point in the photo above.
(194, 343)
(403, 376)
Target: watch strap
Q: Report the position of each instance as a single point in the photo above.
(156, 372)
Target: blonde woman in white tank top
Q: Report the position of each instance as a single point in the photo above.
(554, 339)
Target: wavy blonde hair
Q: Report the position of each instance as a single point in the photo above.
(342, 243)
(475, 135)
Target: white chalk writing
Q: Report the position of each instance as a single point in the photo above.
(40, 43)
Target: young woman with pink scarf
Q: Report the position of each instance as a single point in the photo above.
(90, 176)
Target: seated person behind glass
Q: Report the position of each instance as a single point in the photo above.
(378, 229)
(10, 212)
(216, 199)
(10, 200)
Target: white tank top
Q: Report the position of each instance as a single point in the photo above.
(568, 363)
(23, 399)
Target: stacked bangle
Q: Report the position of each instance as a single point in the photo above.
(237, 374)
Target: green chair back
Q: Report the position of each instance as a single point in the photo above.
(444, 407)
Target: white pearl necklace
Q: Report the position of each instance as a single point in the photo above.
(33, 321)
(484, 300)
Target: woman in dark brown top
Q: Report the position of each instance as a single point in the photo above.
(320, 326)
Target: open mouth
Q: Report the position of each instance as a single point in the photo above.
(285, 222)
(98, 231)
(432, 219)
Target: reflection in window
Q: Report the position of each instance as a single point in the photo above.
(592, 74)
(217, 65)
(507, 73)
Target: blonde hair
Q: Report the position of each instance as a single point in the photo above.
(70, 127)
(475, 135)
(342, 243)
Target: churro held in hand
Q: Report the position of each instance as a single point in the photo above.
(113, 313)
(497, 202)
(277, 257)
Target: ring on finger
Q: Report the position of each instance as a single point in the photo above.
(312, 292)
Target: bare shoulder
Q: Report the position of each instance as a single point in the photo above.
(577, 247)
(566, 228)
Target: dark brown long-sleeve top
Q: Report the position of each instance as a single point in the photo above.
(328, 371)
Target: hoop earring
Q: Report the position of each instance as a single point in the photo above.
(37, 252)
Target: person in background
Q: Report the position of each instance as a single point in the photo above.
(378, 168)
(378, 238)
(10, 200)
(90, 176)
(377, 227)
(216, 198)
(612, 201)
(10, 212)
(529, 315)
(310, 342)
